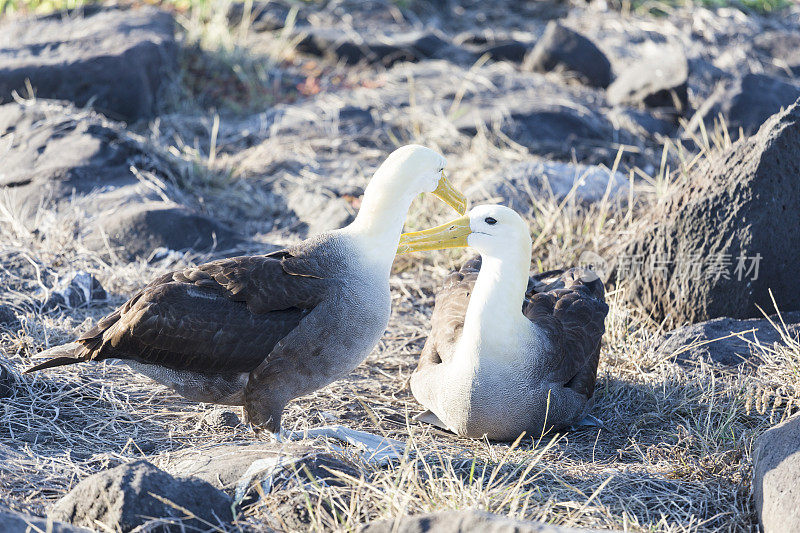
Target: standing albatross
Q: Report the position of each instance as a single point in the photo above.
(259, 331)
(506, 354)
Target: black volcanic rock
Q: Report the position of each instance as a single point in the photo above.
(746, 103)
(508, 50)
(727, 237)
(117, 60)
(540, 126)
(658, 81)
(124, 498)
(563, 48)
(57, 155)
(352, 47)
(715, 341)
(776, 469)
(756, 97)
(140, 229)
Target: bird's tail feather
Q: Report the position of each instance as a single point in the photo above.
(66, 354)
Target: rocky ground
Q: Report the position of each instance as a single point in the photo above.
(662, 148)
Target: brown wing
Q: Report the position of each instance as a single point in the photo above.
(226, 315)
(572, 311)
(447, 321)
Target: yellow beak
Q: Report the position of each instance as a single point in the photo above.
(451, 235)
(451, 196)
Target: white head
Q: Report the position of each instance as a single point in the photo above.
(494, 316)
(493, 230)
(408, 172)
(410, 169)
(496, 229)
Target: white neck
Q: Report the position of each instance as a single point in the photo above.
(379, 222)
(494, 321)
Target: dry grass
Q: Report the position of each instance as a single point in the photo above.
(675, 454)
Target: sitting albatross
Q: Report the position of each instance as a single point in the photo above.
(259, 331)
(506, 353)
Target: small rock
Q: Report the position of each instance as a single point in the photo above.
(14, 522)
(139, 229)
(698, 341)
(563, 48)
(121, 499)
(726, 240)
(515, 184)
(353, 48)
(509, 50)
(115, 59)
(7, 383)
(657, 81)
(468, 521)
(776, 470)
(81, 289)
(652, 122)
(221, 418)
(8, 319)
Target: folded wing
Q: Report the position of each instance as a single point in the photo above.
(225, 315)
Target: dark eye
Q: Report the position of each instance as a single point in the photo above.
(490, 221)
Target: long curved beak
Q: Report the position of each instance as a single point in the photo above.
(451, 235)
(450, 195)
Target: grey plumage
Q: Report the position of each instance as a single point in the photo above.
(549, 382)
(256, 331)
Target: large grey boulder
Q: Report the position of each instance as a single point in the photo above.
(130, 495)
(565, 49)
(776, 477)
(716, 340)
(53, 151)
(726, 237)
(14, 522)
(469, 521)
(117, 60)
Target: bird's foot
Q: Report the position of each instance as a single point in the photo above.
(428, 417)
(282, 436)
(588, 421)
(375, 449)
